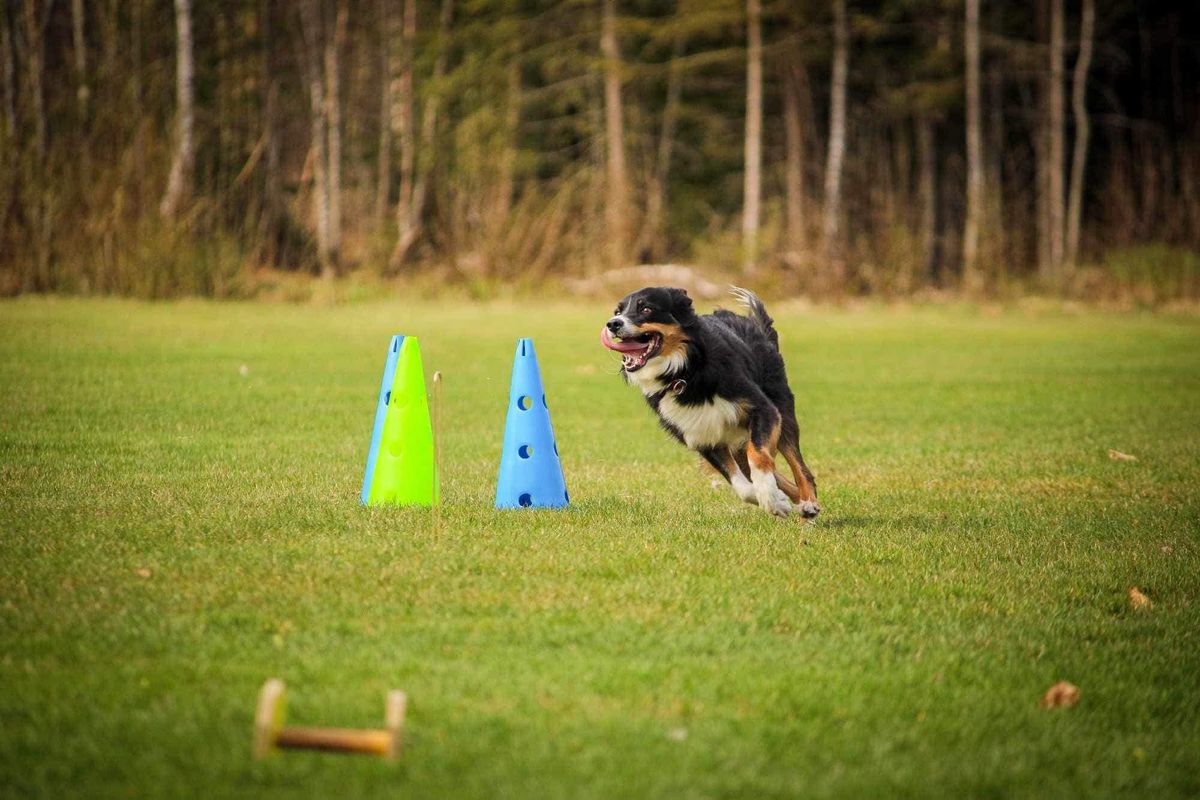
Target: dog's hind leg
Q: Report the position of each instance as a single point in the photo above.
(764, 423)
(787, 487)
(806, 485)
(723, 461)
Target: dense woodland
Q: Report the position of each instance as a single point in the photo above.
(827, 147)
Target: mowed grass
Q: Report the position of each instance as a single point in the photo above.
(173, 532)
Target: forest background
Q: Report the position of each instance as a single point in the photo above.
(831, 149)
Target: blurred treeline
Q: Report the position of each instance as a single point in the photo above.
(161, 147)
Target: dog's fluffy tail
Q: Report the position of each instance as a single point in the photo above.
(758, 312)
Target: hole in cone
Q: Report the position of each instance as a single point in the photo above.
(525, 451)
(525, 500)
(524, 402)
(544, 401)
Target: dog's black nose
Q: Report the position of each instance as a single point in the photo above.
(615, 324)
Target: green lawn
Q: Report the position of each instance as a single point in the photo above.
(658, 638)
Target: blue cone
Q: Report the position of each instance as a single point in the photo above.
(385, 396)
(530, 473)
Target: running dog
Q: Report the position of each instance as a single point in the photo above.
(718, 384)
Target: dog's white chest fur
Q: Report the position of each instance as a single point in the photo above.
(707, 424)
(704, 425)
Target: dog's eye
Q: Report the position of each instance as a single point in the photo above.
(645, 309)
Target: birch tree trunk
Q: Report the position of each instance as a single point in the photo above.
(793, 77)
(616, 212)
(752, 186)
(183, 163)
(1087, 26)
(1056, 119)
(970, 277)
(837, 135)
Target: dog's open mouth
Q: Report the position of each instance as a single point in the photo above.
(635, 350)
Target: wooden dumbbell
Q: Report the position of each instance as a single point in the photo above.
(269, 732)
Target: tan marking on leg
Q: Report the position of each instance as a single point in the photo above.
(763, 459)
(807, 492)
(788, 487)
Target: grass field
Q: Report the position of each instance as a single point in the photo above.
(173, 532)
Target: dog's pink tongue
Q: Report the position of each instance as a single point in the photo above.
(621, 347)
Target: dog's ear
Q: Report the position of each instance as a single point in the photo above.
(681, 306)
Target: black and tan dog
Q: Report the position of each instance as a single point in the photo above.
(718, 384)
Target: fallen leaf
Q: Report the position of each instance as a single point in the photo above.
(142, 572)
(677, 734)
(1138, 600)
(1167, 549)
(1117, 455)
(1060, 695)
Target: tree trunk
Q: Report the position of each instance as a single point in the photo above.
(179, 181)
(1082, 130)
(390, 26)
(616, 212)
(333, 48)
(1056, 119)
(82, 91)
(270, 226)
(927, 192)
(837, 137)
(793, 77)
(410, 229)
(508, 159)
(36, 191)
(8, 80)
(752, 186)
(312, 28)
(653, 236)
(970, 277)
(404, 124)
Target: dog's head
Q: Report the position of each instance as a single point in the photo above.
(647, 324)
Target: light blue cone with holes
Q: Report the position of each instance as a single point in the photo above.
(530, 473)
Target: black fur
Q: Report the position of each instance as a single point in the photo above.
(728, 356)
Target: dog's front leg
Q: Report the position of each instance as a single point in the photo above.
(722, 460)
(764, 423)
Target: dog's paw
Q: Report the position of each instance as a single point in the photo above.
(809, 509)
(775, 502)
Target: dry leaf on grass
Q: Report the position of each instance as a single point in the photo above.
(1060, 695)
(142, 572)
(1138, 600)
(1117, 455)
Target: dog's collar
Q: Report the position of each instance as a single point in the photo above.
(675, 387)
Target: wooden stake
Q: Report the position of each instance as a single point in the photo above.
(270, 734)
